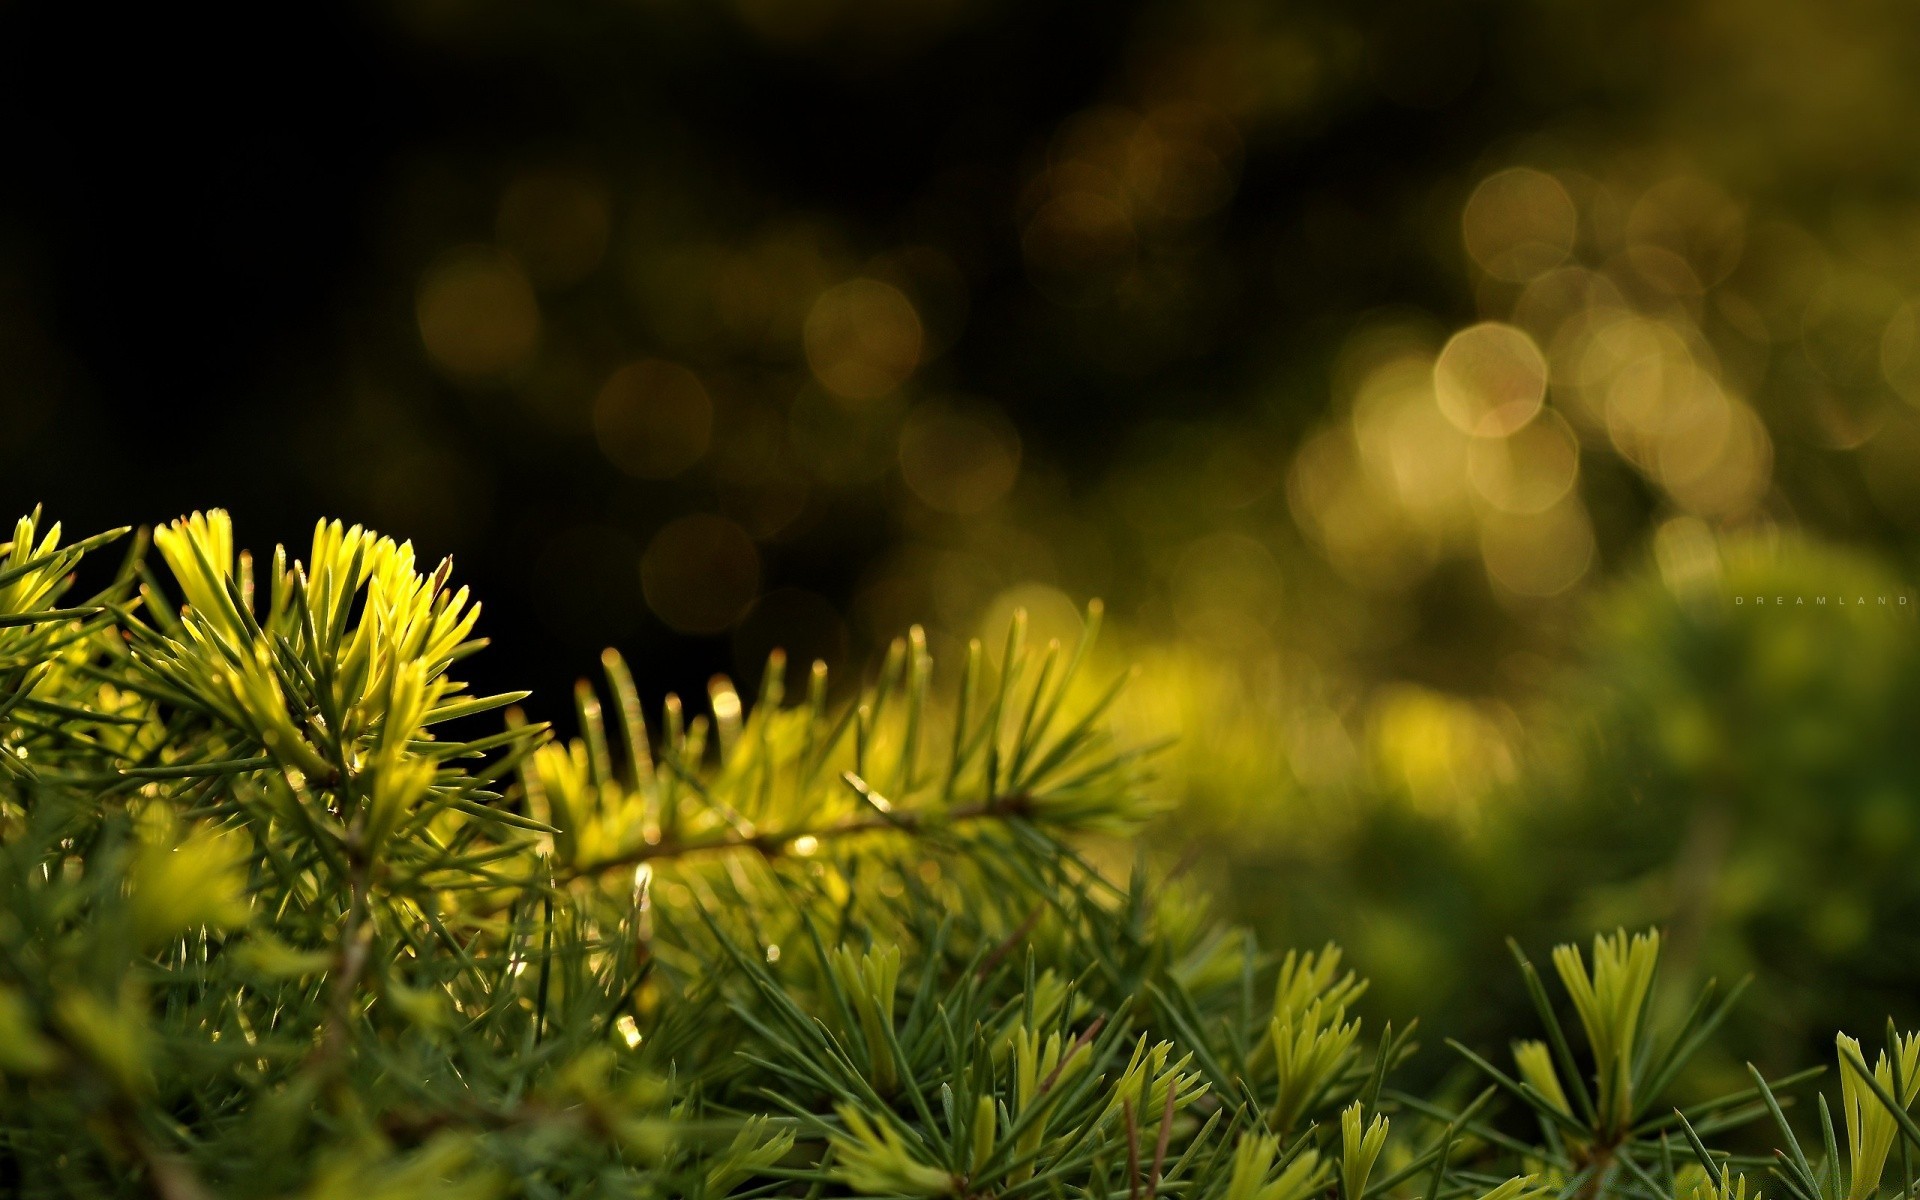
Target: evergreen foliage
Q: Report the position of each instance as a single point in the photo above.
(284, 912)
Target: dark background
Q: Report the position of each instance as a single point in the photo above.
(212, 221)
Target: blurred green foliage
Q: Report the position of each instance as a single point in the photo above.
(1727, 754)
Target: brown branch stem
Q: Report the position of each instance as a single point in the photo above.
(773, 844)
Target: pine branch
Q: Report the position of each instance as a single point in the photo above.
(779, 949)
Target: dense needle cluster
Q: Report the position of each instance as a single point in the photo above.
(285, 911)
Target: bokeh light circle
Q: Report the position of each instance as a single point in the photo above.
(959, 460)
(700, 573)
(1900, 352)
(1536, 555)
(1519, 224)
(477, 314)
(1051, 615)
(1490, 379)
(653, 419)
(1528, 471)
(1723, 471)
(863, 339)
(1226, 590)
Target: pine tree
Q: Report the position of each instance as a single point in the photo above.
(286, 911)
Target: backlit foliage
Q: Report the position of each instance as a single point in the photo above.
(282, 915)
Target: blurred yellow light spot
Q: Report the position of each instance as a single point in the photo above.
(556, 223)
(1319, 750)
(863, 339)
(653, 419)
(958, 461)
(629, 1030)
(1692, 221)
(1844, 338)
(1727, 473)
(1549, 304)
(1664, 271)
(1887, 463)
(1636, 376)
(478, 317)
(1324, 468)
(1442, 750)
(1688, 555)
(1409, 446)
(726, 702)
(805, 845)
(1490, 379)
(1519, 223)
(1781, 265)
(1051, 615)
(1538, 554)
(1529, 471)
(1900, 352)
(1226, 590)
(761, 486)
(700, 573)
(1365, 535)
(1687, 433)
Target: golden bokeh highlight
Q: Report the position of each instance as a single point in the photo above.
(1536, 555)
(1617, 336)
(863, 339)
(744, 296)
(557, 224)
(1628, 323)
(1548, 303)
(1519, 224)
(1844, 331)
(761, 484)
(1364, 532)
(1887, 466)
(477, 314)
(1408, 448)
(700, 573)
(1626, 373)
(653, 419)
(1226, 590)
(1530, 470)
(1687, 553)
(1490, 379)
(1686, 230)
(1721, 465)
(1051, 615)
(959, 460)
(1900, 352)
(1440, 751)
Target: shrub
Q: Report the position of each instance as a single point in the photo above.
(281, 917)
